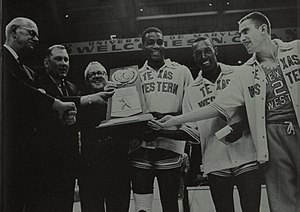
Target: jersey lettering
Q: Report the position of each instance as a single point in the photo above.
(254, 90)
(165, 74)
(221, 84)
(273, 76)
(256, 76)
(277, 102)
(205, 90)
(278, 88)
(206, 101)
(165, 87)
(147, 76)
(293, 76)
(278, 94)
(148, 87)
(289, 60)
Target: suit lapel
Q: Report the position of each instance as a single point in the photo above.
(18, 70)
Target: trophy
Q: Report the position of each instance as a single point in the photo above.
(127, 105)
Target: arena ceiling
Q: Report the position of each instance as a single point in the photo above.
(82, 20)
(62, 21)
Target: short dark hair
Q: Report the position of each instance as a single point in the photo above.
(148, 30)
(201, 38)
(258, 19)
(56, 46)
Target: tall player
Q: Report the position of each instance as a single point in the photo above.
(269, 87)
(163, 83)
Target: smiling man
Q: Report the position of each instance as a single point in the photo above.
(56, 150)
(104, 182)
(234, 164)
(164, 83)
(95, 76)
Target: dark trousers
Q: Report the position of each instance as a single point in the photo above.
(52, 195)
(105, 182)
(168, 183)
(53, 172)
(283, 169)
(51, 186)
(249, 188)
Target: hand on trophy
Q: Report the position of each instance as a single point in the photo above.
(110, 86)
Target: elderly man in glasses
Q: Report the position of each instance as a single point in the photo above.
(104, 174)
(20, 98)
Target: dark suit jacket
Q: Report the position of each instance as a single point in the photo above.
(19, 100)
(19, 111)
(57, 144)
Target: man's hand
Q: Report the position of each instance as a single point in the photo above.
(62, 107)
(103, 96)
(237, 131)
(168, 122)
(96, 98)
(110, 86)
(69, 116)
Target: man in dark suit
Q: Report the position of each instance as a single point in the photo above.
(56, 147)
(57, 144)
(19, 111)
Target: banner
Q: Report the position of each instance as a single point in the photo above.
(171, 41)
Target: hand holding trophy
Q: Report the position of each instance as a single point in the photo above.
(127, 104)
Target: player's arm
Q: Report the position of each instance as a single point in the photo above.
(203, 113)
(176, 135)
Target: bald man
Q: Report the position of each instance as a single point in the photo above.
(20, 98)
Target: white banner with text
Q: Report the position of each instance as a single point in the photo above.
(171, 41)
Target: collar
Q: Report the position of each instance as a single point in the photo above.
(13, 52)
(199, 80)
(282, 46)
(168, 63)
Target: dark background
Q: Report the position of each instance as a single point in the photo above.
(65, 21)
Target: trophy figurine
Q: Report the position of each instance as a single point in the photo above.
(127, 105)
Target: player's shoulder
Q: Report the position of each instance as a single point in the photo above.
(241, 71)
(175, 65)
(227, 68)
(294, 42)
(286, 46)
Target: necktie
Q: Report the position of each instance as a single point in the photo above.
(63, 88)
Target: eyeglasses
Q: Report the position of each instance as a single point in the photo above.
(93, 74)
(31, 32)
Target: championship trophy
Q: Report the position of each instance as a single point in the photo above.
(127, 105)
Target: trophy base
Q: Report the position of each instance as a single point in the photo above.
(126, 120)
